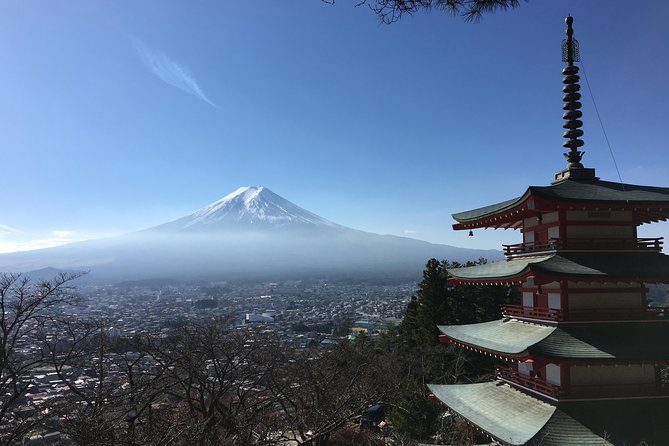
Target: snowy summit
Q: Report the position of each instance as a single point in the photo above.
(249, 207)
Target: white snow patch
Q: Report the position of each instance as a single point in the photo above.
(254, 204)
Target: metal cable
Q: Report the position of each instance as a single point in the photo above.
(601, 123)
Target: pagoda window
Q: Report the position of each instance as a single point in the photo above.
(551, 217)
(553, 374)
(530, 222)
(528, 237)
(524, 368)
(528, 299)
(554, 301)
(554, 232)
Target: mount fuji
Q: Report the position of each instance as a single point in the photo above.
(251, 233)
(248, 208)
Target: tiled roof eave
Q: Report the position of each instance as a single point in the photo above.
(496, 273)
(503, 338)
(503, 214)
(490, 405)
(515, 357)
(602, 266)
(651, 203)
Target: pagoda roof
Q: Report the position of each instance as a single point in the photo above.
(515, 418)
(653, 202)
(503, 412)
(506, 337)
(598, 266)
(513, 339)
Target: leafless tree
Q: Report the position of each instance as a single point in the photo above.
(221, 376)
(320, 394)
(26, 306)
(115, 385)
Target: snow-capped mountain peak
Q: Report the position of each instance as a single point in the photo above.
(251, 206)
(250, 233)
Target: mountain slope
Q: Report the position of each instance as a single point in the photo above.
(247, 208)
(251, 233)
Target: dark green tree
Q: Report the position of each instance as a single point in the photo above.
(437, 303)
(424, 359)
(427, 307)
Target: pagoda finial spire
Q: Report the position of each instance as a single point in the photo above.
(571, 98)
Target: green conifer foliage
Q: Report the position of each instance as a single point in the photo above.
(421, 355)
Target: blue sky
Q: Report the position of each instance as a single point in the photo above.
(117, 117)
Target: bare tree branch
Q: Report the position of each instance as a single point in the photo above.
(25, 307)
(390, 11)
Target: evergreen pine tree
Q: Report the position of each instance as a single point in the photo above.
(423, 358)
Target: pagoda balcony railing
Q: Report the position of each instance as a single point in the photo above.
(521, 311)
(593, 391)
(523, 248)
(577, 244)
(530, 382)
(589, 314)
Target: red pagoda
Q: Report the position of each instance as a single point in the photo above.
(586, 359)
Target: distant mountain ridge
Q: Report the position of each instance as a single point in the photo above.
(251, 233)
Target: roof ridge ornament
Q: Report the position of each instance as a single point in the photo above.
(572, 110)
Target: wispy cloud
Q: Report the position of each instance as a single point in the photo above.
(168, 70)
(13, 240)
(6, 230)
(409, 231)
